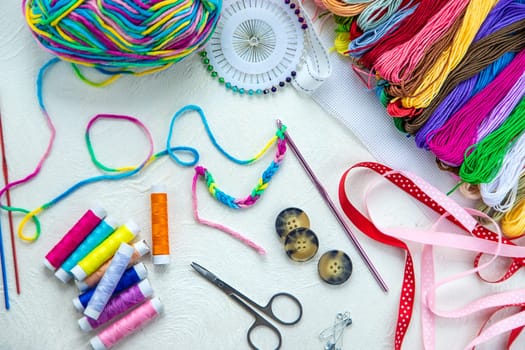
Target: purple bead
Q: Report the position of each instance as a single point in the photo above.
(293, 73)
(281, 83)
(292, 5)
(274, 89)
(301, 19)
(297, 11)
(304, 26)
(286, 2)
(288, 79)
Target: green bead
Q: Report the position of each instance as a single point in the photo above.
(214, 74)
(203, 54)
(250, 92)
(206, 60)
(221, 80)
(210, 68)
(228, 85)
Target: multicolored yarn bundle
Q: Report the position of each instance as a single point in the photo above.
(113, 174)
(451, 73)
(118, 35)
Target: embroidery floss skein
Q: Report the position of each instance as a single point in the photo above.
(513, 223)
(99, 234)
(104, 251)
(159, 225)
(107, 284)
(141, 248)
(486, 158)
(71, 240)
(130, 277)
(118, 305)
(133, 34)
(127, 325)
(475, 14)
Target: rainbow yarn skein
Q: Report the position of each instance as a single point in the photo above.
(122, 34)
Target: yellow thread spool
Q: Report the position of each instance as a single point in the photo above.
(159, 225)
(99, 255)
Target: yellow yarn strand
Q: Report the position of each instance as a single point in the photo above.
(475, 14)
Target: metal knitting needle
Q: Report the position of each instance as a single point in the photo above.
(334, 210)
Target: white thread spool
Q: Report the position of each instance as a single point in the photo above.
(109, 281)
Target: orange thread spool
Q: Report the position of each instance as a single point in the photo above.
(159, 225)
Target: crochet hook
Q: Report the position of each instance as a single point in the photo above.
(334, 210)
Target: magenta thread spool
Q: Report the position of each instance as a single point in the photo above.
(131, 276)
(118, 305)
(127, 325)
(97, 236)
(109, 281)
(72, 239)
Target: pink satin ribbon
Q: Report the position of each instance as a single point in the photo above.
(480, 240)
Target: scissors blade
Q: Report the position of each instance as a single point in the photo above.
(210, 276)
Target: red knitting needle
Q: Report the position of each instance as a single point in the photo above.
(8, 199)
(334, 210)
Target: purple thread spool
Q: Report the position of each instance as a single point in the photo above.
(109, 281)
(118, 305)
(131, 276)
(72, 239)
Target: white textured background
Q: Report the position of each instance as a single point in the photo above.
(197, 315)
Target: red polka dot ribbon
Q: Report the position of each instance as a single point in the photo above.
(491, 242)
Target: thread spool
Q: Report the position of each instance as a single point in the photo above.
(97, 236)
(118, 305)
(76, 234)
(107, 284)
(141, 248)
(127, 325)
(133, 34)
(104, 251)
(131, 276)
(159, 225)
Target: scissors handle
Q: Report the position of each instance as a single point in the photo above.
(269, 309)
(262, 323)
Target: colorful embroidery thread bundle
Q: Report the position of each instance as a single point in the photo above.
(452, 74)
(118, 36)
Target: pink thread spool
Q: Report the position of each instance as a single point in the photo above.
(127, 325)
(118, 305)
(72, 239)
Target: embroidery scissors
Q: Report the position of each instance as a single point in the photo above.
(252, 307)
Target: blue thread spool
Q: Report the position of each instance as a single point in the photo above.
(109, 281)
(97, 236)
(131, 276)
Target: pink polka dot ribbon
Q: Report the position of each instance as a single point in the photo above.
(481, 240)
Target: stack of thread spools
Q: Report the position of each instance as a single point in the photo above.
(451, 73)
(115, 293)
